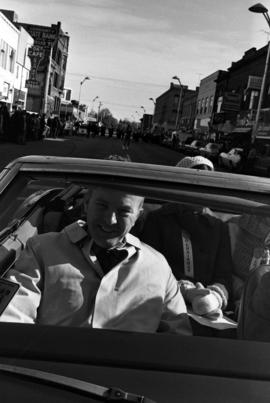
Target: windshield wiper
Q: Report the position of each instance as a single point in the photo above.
(104, 393)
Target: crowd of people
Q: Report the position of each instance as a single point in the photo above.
(19, 126)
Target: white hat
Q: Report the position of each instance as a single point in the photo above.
(192, 162)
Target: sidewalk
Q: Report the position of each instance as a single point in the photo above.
(63, 146)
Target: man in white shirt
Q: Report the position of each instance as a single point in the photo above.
(97, 274)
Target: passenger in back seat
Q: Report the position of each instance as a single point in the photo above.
(249, 235)
(197, 247)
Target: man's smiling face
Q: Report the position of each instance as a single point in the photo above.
(111, 214)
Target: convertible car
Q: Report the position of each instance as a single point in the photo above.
(68, 364)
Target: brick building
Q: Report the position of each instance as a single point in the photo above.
(189, 109)
(207, 96)
(47, 76)
(238, 91)
(166, 107)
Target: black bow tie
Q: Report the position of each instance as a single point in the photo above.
(109, 258)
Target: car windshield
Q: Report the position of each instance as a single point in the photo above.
(135, 183)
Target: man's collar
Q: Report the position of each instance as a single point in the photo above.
(133, 241)
(77, 231)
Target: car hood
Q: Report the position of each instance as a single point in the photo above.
(160, 367)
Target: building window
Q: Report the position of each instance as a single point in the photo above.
(3, 54)
(7, 56)
(57, 102)
(5, 91)
(198, 106)
(58, 57)
(202, 106)
(206, 105)
(55, 80)
(219, 104)
(64, 63)
(11, 59)
(211, 103)
(17, 71)
(253, 99)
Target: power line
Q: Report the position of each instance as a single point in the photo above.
(119, 80)
(124, 105)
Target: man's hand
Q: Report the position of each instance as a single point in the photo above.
(198, 291)
(203, 300)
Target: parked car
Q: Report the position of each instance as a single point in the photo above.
(231, 160)
(41, 363)
(169, 140)
(82, 130)
(193, 148)
(185, 142)
(211, 151)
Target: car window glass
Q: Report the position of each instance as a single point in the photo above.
(60, 201)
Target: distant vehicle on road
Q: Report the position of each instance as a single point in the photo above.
(82, 130)
(211, 150)
(232, 159)
(193, 148)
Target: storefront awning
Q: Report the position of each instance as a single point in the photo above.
(242, 130)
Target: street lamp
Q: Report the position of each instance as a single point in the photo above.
(179, 100)
(93, 101)
(142, 107)
(98, 113)
(154, 113)
(259, 8)
(81, 83)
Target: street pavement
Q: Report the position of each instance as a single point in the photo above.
(50, 146)
(99, 147)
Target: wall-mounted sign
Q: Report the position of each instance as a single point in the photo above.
(43, 36)
(231, 102)
(254, 82)
(32, 83)
(36, 51)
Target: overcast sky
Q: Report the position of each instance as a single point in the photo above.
(132, 48)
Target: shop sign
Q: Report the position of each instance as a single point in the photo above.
(36, 54)
(263, 133)
(44, 37)
(36, 51)
(231, 102)
(254, 82)
(32, 83)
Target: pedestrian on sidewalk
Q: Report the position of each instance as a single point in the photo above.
(127, 138)
(4, 121)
